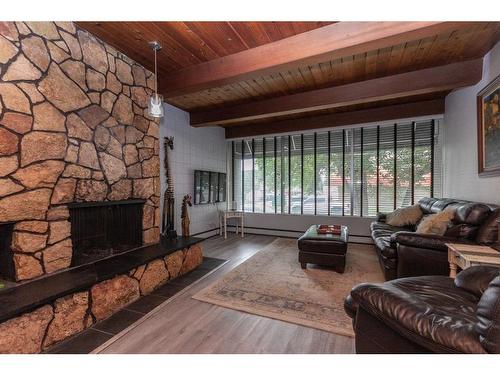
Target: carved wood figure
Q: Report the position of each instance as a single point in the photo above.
(168, 229)
(185, 215)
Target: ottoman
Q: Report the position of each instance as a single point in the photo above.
(323, 249)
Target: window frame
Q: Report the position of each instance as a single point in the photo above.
(348, 155)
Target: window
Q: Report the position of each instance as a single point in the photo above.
(357, 171)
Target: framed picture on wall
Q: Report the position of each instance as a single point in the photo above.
(214, 187)
(204, 188)
(209, 187)
(488, 129)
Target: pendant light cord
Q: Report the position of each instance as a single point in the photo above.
(156, 75)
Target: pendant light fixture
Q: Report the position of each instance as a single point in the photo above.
(155, 105)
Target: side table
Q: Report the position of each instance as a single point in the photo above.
(465, 256)
(228, 214)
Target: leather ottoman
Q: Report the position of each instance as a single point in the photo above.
(323, 249)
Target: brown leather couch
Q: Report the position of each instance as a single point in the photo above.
(404, 253)
(429, 314)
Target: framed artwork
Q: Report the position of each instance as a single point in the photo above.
(214, 187)
(488, 129)
(204, 187)
(222, 188)
(209, 187)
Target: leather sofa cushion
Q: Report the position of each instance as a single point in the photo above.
(488, 313)
(471, 213)
(426, 204)
(424, 309)
(464, 231)
(441, 204)
(488, 232)
(377, 225)
(426, 241)
(476, 279)
(384, 246)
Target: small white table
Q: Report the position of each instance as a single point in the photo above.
(229, 214)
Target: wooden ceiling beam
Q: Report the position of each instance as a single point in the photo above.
(431, 80)
(386, 113)
(325, 43)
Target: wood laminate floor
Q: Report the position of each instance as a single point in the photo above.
(185, 325)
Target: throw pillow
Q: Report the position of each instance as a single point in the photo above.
(405, 216)
(436, 223)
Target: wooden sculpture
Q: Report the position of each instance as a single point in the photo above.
(185, 215)
(168, 228)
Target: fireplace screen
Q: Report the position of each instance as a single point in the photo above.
(102, 229)
(7, 271)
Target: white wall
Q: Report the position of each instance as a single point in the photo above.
(295, 225)
(461, 178)
(194, 148)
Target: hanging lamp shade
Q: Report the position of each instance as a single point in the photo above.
(155, 103)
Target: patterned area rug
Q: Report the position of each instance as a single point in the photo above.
(272, 284)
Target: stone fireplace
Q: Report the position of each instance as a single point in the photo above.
(73, 128)
(79, 186)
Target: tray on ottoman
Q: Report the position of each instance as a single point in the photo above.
(323, 249)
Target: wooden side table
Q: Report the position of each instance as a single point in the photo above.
(465, 256)
(228, 214)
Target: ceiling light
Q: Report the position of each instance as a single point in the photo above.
(155, 104)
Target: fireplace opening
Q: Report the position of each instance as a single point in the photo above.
(7, 268)
(102, 229)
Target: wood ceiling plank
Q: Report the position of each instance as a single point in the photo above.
(384, 113)
(252, 32)
(219, 35)
(402, 85)
(180, 32)
(337, 40)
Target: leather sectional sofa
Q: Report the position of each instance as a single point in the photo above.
(404, 253)
(429, 314)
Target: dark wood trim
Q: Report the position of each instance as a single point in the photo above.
(386, 113)
(275, 177)
(343, 172)
(264, 174)
(315, 174)
(425, 81)
(329, 171)
(433, 125)
(361, 177)
(253, 175)
(412, 181)
(232, 174)
(395, 174)
(323, 44)
(378, 169)
(301, 174)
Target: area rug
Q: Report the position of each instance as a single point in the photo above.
(272, 284)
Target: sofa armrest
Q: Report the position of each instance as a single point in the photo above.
(425, 241)
(382, 217)
(476, 279)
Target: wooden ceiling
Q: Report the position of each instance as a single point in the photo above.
(186, 44)
(222, 71)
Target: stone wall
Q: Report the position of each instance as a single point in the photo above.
(37, 330)
(73, 127)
